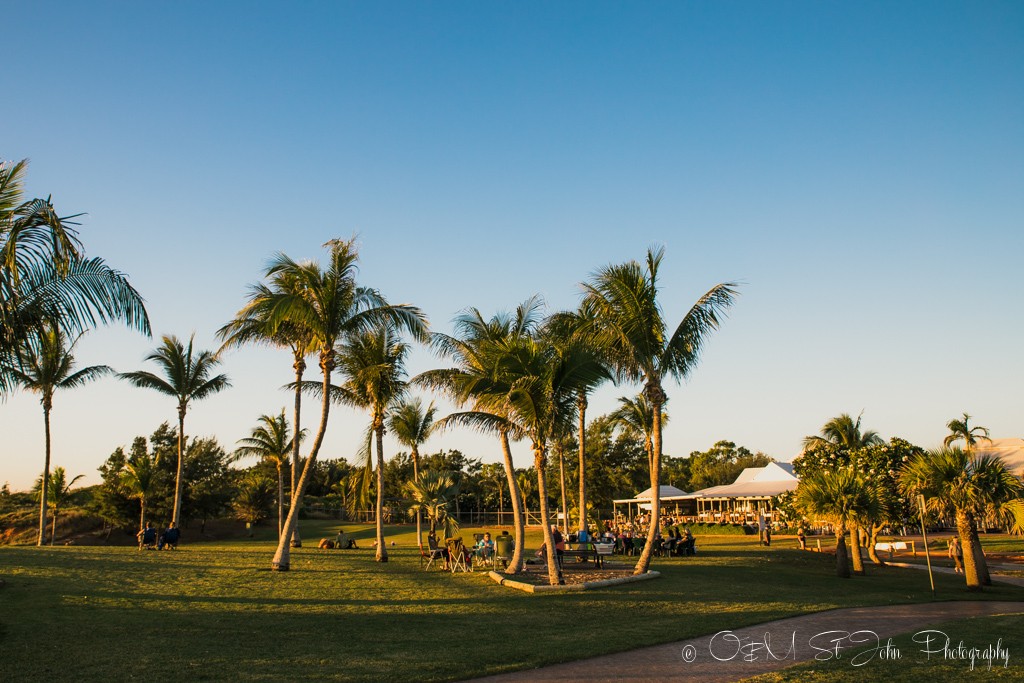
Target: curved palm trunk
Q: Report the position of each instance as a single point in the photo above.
(565, 497)
(858, 559)
(53, 530)
(46, 477)
(416, 478)
(282, 557)
(582, 405)
(842, 559)
(554, 570)
(972, 572)
(382, 551)
(872, 541)
(300, 367)
(177, 477)
(516, 565)
(280, 502)
(656, 396)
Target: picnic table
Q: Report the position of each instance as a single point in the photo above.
(586, 551)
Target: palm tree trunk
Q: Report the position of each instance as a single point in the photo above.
(872, 541)
(282, 557)
(554, 570)
(280, 501)
(565, 498)
(46, 477)
(516, 565)
(142, 514)
(416, 478)
(842, 560)
(858, 559)
(382, 551)
(972, 572)
(582, 430)
(978, 552)
(300, 367)
(53, 532)
(177, 478)
(656, 396)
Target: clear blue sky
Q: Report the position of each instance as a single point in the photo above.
(859, 166)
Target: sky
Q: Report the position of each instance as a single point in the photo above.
(858, 167)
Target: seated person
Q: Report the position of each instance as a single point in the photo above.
(169, 538)
(435, 550)
(485, 547)
(147, 537)
(326, 544)
(343, 542)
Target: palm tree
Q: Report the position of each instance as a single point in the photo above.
(373, 364)
(635, 417)
(140, 478)
(58, 494)
(951, 478)
(473, 382)
(45, 280)
(960, 430)
(411, 425)
(630, 327)
(842, 498)
(271, 441)
(431, 495)
(256, 323)
(187, 378)
(845, 431)
(329, 304)
(46, 364)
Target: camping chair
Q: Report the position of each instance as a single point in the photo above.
(503, 549)
(431, 554)
(457, 556)
(638, 545)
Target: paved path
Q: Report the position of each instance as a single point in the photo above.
(721, 657)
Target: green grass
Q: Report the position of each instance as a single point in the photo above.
(914, 665)
(214, 611)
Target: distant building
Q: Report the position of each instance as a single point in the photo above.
(1011, 451)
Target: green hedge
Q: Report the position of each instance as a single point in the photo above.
(718, 529)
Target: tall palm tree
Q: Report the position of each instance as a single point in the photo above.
(635, 417)
(411, 425)
(431, 495)
(330, 305)
(256, 323)
(846, 432)
(45, 364)
(58, 494)
(46, 280)
(271, 441)
(187, 377)
(473, 383)
(139, 479)
(952, 479)
(960, 430)
(631, 329)
(842, 498)
(373, 364)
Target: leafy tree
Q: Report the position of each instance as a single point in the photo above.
(140, 478)
(630, 326)
(431, 495)
(721, 464)
(842, 498)
(186, 378)
(960, 430)
(846, 432)
(411, 425)
(271, 441)
(254, 497)
(634, 417)
(46, 364)
(58, 493)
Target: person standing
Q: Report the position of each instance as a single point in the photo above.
(956, 553)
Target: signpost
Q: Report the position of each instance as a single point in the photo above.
(924, 532)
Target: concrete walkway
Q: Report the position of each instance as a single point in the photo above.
(735, 655)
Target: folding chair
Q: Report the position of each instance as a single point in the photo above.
(431, 554)
(457, 556)
(503, 549)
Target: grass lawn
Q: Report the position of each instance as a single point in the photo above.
(214, 611)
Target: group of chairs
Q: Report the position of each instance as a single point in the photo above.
(456, 557)
(635, 546)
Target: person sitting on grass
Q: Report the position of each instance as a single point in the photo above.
(147, 537)
(343, 542)
(169, 538)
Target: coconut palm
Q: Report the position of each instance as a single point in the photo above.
(45, 280)
(432, 493)
(960, 430)
(187, 377)
(411, 425)
(256, 323)
(271, 441)
(45, 364)
(842, 498)
(630, 327)
(329, 304)
(140, 479)
(58, 493)
(373, 364)
(845, 431)
(635, 417)
(952, 479)
(473, 383)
